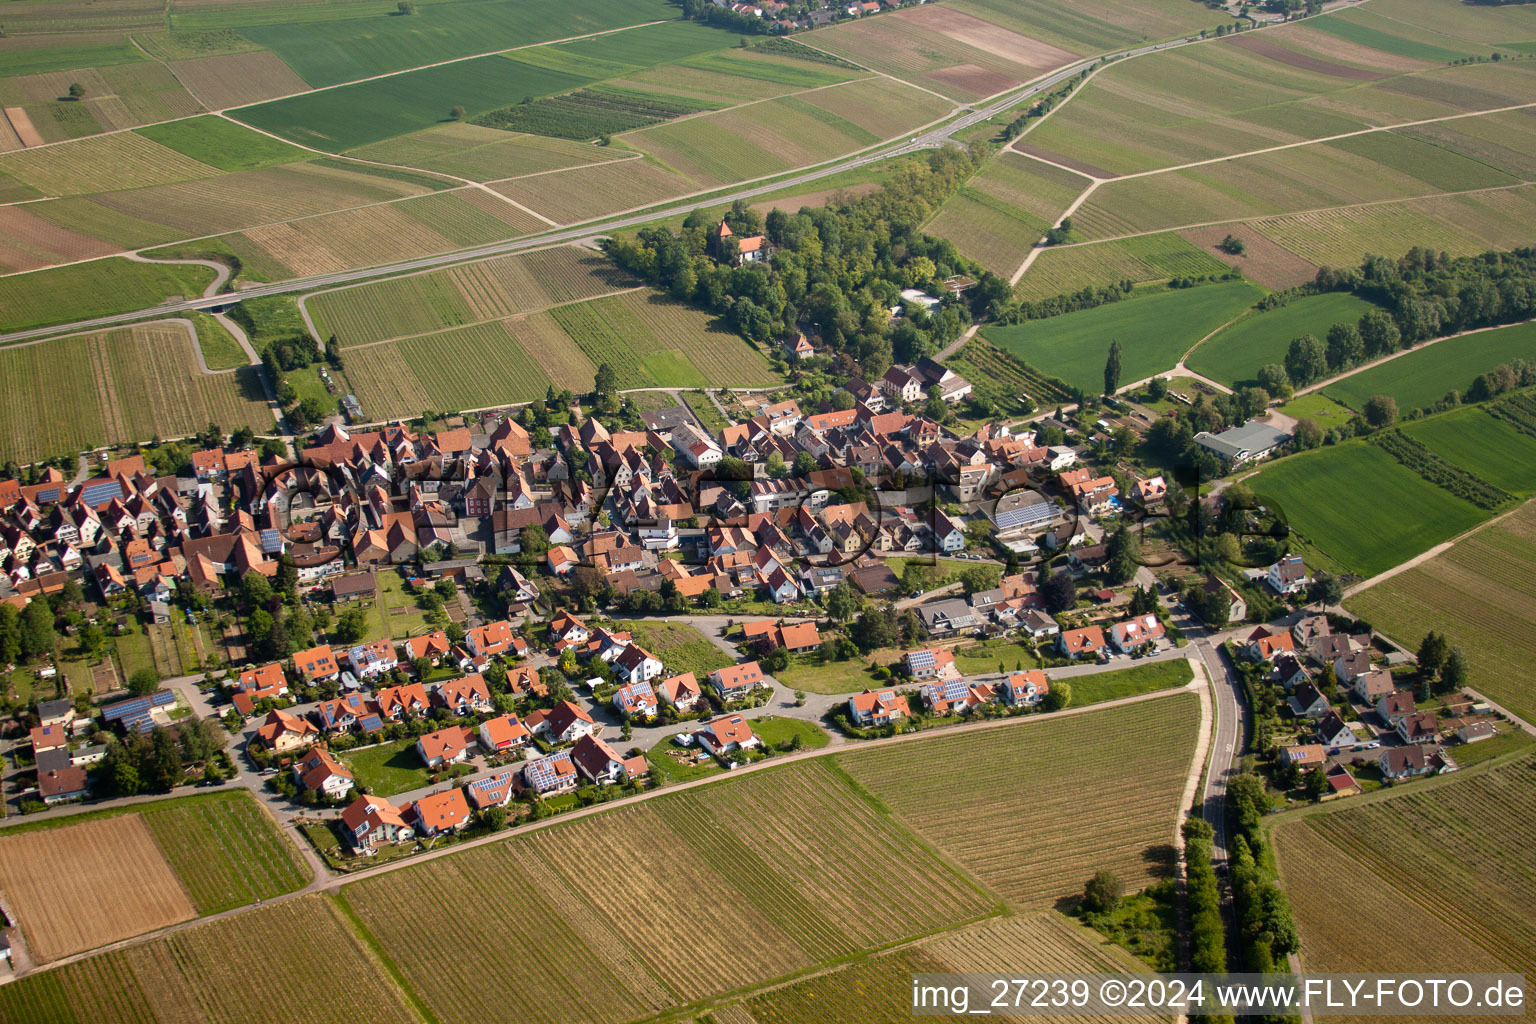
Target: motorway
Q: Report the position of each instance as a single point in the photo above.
(901, 147)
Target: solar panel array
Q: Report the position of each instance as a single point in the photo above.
(541, 774)
(97, 493)
(1027, 514)
(134, 713)
(920, 659)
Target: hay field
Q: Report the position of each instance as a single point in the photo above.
(1142, 259)
(943, 49)
(1454, 858)
(488, 290)
(236, 79)
(123, 385)
(481, 154)
(997, 218)
(792, 131)
(789, 897)
(76, 887)
(1481, 595)
(878, 990)
(1096, 790)
(1367, 168)
(583, 193)
(1237, 352)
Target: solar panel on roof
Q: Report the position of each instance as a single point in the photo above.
(51, 494)
(371, 722)
(98, 493)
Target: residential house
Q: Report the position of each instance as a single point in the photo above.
(1024, 689)
(1419, 727)
(635, 665)
(735, 681)
(1307, 755)
(491, 791)
(430, 646)
(1134, 634)
(1264, 643)
(1403, 762)
(492, 640)
(1086, 641)
(258, 684)
(61, 785)
(1370, 687)
(635, 700)
(878, 707)
(282, 732)
(1393, 707)
(317, 665)
(1288, 576)
(397, 703)
(439, 813)
(1349, 667)
(603, 765)
(322, 773)
(1309, 628)
(1341, 782)
(551, 775)
(1307, 702)
(1334, 733)
(726, 735)
(343, 714)
(952, 696)
(445, 746)
(932, 663)
(374, 659)
(563, 723)
(498, 735)
(1038, 624)
(568, 629)
(469, 695)
(370, 821)
(49, 737)
(681, 691)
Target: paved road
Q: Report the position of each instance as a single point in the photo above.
(935, 137)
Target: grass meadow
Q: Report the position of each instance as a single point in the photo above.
(1422, 377)
(1074, 346)
(1359, 507)
(1238, 351)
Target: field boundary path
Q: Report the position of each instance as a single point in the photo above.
(1320, 385)
(1424, 556)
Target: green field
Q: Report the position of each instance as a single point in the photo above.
(222, 143)
(330, 44)
(1097, 687)
(1421, 378)
(388, 768)
(356, 115)
(1074, 346)
(1360, 508)
(1238, 351)
(1346, 28)
(226, 849)
(99, 288)
(1487, 447)
(1319, 408)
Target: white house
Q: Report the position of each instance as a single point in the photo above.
(1289, 576)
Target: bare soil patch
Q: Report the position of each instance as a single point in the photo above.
(1263, 260)
(48, 243)
(77, 887)
(235, 79)
(974, 79)
(987, 37)
(22, 125)
(1265, 48)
